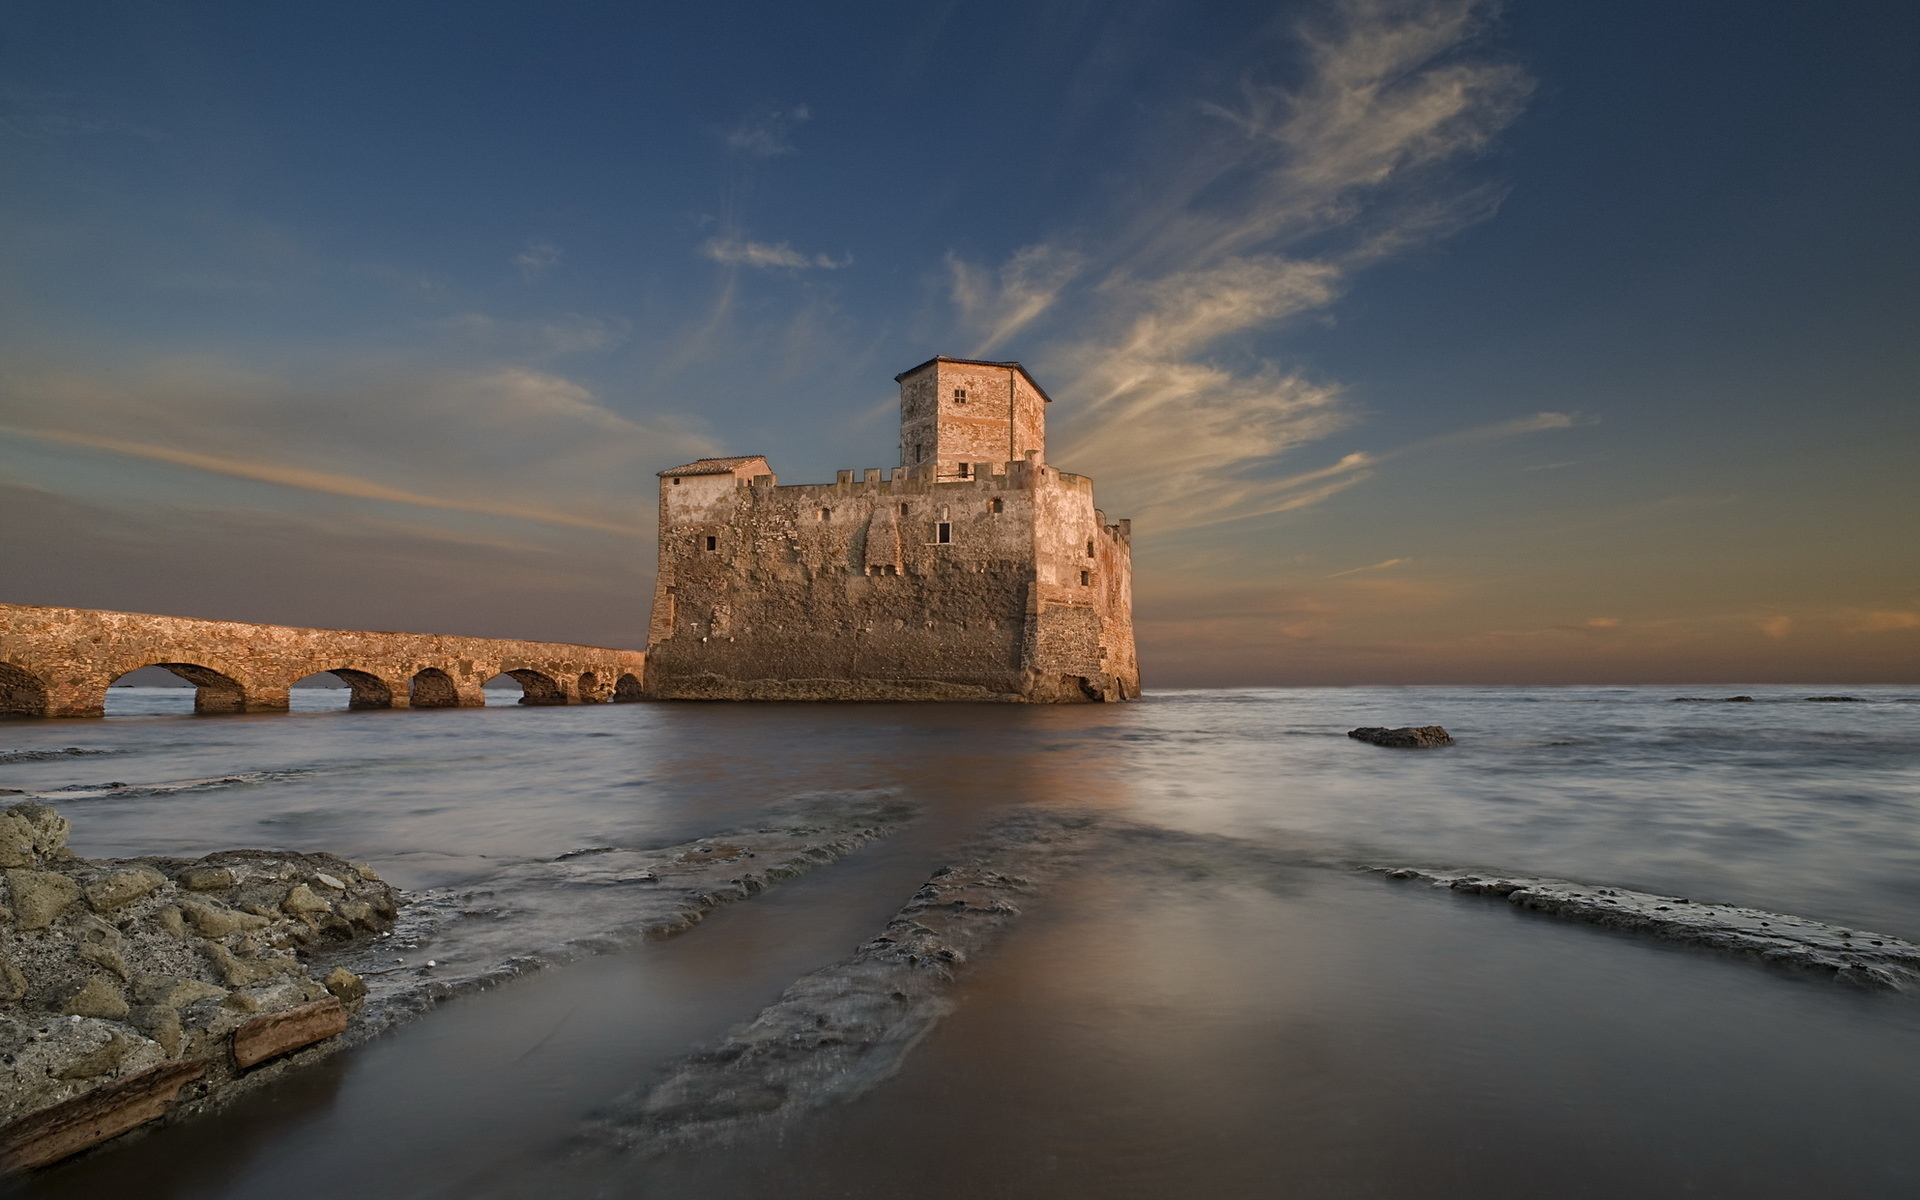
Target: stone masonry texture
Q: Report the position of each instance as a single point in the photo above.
(58, 662)
(975, 571)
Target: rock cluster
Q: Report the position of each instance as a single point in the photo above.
(123, 981)
(1408, 737)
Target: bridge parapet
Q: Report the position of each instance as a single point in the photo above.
(59, 662)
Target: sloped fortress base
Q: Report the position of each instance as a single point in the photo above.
(976, 572)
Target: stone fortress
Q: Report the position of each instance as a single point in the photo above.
(974, 571)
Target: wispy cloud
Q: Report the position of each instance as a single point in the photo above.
(738, 252)
(1005, 302)
(767, 132)
(326, 482)
(1294, 190)
(1881, 622)
(569, 333)
(506, 441)
(536, 260)
(1379, 566)
(52, 116)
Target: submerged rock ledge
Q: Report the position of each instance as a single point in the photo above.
(839, 1030)
(159, 989)
(602, 899)
(1852, 956)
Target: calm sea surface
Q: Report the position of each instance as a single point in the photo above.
(1316, 1033)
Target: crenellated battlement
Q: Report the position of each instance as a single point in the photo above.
(961, 574)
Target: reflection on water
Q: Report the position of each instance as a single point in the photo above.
(1344, 1039)
(1141, 1033)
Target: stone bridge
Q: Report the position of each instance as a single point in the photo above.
(58, 662)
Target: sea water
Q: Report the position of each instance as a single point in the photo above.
(1316, 1032)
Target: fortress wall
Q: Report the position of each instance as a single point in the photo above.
(832, 591)
(975, 572)
(1083, 633)
(844, 591)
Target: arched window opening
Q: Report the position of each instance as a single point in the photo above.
(432, 688)
(626, 689)
(22, 694)
(523, 686)
(163, 689)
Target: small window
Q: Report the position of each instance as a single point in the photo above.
(999, 506)
(903, 510)
(676, 481)
(959, 395)
(919, 452)
(945, 535)
(826, 514)
(1086, 578)
(966, 470)
(713, 543)
(1089, 549)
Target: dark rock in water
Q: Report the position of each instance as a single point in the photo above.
(1778, 939)
(1713, 700)
(1406, 737)
(1833, 699)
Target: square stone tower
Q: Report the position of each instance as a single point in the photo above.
(958, 411)
(974, 571)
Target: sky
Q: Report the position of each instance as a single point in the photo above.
(1423, 341)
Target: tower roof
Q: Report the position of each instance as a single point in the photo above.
(978, 362)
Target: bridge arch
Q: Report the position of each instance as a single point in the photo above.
(213, 691)
(366, 690)
(536, 687)
(22, 693)
(432, 688)
(627, 689)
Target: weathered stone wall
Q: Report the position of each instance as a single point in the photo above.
(58, 662)
(1002, 417)
(846, 591)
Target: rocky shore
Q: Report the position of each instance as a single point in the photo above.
(142, 990)
(132, 986)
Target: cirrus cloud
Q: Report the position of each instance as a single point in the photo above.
(739, 252)
(1292, 191)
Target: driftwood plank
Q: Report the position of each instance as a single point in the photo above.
(274, 1034)
(87, 1120)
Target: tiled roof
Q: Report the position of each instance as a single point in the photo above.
(714, 466)
(978, 362)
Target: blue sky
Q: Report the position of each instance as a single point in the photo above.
(1423, 340)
